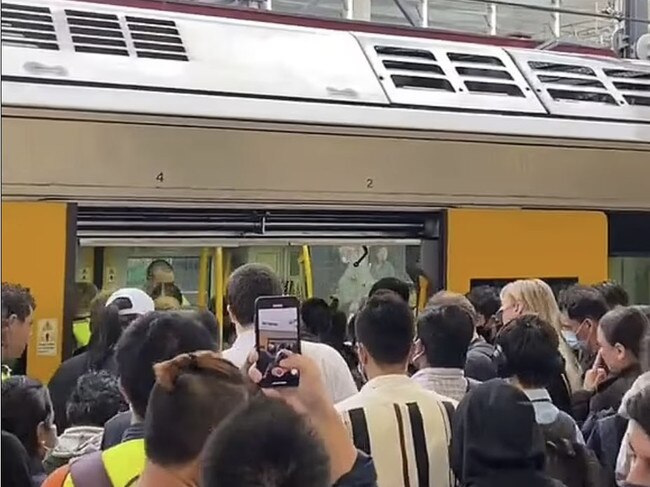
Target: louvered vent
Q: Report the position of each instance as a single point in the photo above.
(156, 38)
(28, 26)
(571, 82)
(413, 68)
(634, 85)
(484, 74)
(96, 33)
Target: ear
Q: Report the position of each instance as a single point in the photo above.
(123, 392)
(417, 348)
(232, 316)
(45, 435)
(620, 351)
(519, 309)
(480, 321)
(362, 353)
(10, 321)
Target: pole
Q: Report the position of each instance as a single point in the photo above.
(637, 10)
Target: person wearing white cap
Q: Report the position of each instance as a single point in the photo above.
(122, 307)
(131, 301)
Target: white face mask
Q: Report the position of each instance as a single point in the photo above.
(571, 339)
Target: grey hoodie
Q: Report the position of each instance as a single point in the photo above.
(625, 455)
(74, 442)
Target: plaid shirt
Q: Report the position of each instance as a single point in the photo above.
(446, 382)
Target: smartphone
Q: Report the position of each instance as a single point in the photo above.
(277, 330)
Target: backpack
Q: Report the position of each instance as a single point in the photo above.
(568, 461)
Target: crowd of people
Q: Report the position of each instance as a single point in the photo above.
(498, 388)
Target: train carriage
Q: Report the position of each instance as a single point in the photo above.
(336, 157)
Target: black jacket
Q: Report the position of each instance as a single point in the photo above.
(15, 462)
(608, 395)
(480, 364)
(486, 450)
(65, 379)
(560, 393)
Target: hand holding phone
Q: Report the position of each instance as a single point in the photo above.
(277, 331)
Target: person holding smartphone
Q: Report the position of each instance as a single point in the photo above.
(252, 281)
(286, 417)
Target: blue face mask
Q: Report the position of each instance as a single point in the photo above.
(571, 339)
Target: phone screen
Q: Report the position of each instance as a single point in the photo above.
(277, 330)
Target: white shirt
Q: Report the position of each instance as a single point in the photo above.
(405, 428)
(336, 374)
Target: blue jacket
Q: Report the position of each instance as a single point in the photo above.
(362, 474)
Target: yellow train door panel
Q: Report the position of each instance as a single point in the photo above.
(507, 244)
(38, 242)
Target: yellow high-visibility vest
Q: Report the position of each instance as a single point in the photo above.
(123, 463)
(81, 331)
(6, 372)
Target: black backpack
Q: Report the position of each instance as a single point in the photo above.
(568, 461)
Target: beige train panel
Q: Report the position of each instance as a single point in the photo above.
(100, 160)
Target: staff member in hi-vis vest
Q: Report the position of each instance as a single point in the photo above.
(85, 293)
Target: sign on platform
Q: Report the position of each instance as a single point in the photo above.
(84, 275)
(46, 339)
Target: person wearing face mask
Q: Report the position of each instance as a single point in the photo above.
(27, 413)
(582, 308)
(616, 367)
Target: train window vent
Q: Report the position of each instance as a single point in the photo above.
(542, 67)
(633, 85)
(413, 68)
(96, 33)
(486, 75)
(156, 38)
(572, 83)
(589, 96)
(28, 26)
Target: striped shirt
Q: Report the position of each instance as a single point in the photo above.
(405, 428)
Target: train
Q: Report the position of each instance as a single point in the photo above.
(335, 156)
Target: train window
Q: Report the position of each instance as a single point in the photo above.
(633, 273)
(343, 269)
(346, 271)
(185, 273)
(557, 284)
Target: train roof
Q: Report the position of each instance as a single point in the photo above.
(111, 50)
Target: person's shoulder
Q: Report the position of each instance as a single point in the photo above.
(71, 365)
(119, 419)
(324, 354)
(58, 477)
(317, 349)
(353, 402)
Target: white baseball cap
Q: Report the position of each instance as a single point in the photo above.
(141, 302)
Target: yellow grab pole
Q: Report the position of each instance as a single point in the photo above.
(204, 273)
(219, 290)
(424, 292)
(309, 277)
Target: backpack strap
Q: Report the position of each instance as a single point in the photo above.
(471, 384)
(132, 482)
(89, 471)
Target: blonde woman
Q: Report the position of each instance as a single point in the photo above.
(535, 296)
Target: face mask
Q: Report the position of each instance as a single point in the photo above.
(571, 339)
